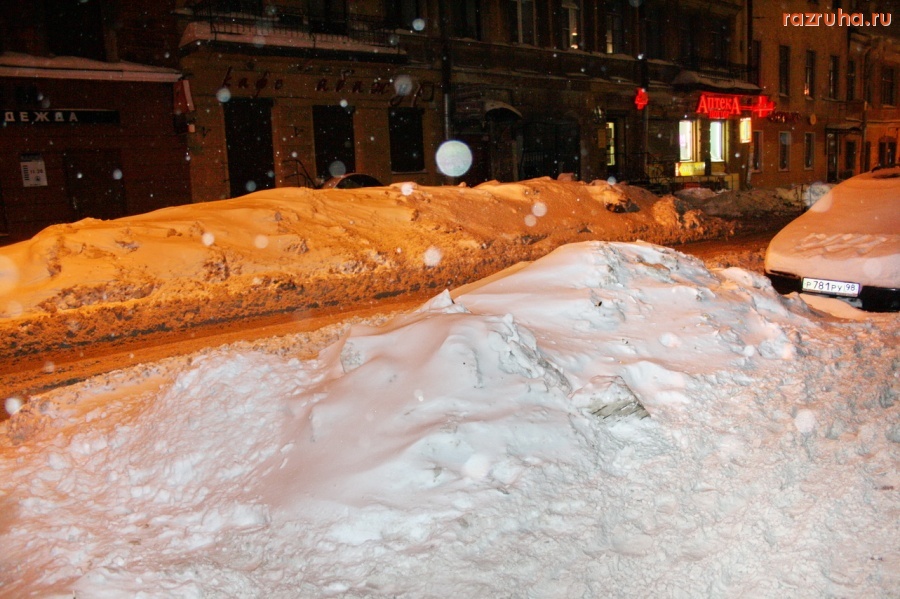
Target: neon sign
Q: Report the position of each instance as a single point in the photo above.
(722, 106)
(641, 99)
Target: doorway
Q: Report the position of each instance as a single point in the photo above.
(248, 139)
(335, 146)
(94, 183)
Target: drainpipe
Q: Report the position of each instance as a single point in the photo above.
(446, 66)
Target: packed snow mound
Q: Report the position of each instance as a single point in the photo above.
(782, 203)
(611, 416)
(300, 249)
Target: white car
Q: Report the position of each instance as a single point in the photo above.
(847, 245)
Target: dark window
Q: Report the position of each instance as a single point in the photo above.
(248, 142)
(887, 153)
(867, 75)
(328, 16)
(850, 156)
(809, 150)
(75, 28)
(335, 150)
(784, 70)
(465, 18)
(755, 61)
(851, 80)
(686, 39)
(784, 150)
(833, 73)
(615, 28)
(407, 149)
(887, 85)
(809, 82)
(653, 35)
(756, 156)
(402, 13)
(719, 41)
(521, 21)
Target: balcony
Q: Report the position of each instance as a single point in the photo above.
(295, 25)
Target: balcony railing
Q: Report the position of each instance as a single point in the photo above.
(255, 17)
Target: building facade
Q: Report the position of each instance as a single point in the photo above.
(87, 104)
(200, 100)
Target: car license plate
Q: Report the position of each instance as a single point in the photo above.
(831, 287)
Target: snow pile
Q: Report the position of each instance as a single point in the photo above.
(780, 203)
(611, 420)
(297, 249)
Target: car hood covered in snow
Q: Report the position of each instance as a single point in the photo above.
(852, 233)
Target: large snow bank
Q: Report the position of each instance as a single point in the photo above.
(613, 420)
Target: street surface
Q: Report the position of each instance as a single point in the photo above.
(28, 375)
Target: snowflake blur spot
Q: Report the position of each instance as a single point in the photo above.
(407, 188)
(337, 168)
(539, 209)
(293, 154)
(611, 180)
(13, 405)
(432, 256)
(261, 241)
(250, 186)
(530, 220)
(403, 85)
(208, 239)
(454, 158)
(344, 103)
(223, 95)
(117, 174)
(9, 274)
(418, 24)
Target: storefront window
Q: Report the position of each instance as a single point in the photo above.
(686, 140)
(717, 141)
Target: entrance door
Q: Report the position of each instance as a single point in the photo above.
(248, 138)
(94, 183)
(335, 147)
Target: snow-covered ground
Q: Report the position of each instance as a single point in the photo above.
(610, 420)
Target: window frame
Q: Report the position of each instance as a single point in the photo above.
(784, 70)
(809, 150)
(809, 80)
(784, 151)
(406, 148)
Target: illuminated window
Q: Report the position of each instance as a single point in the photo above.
(717, 141)
(809, 83)
(570, 24)
(610, 144)
(686, 141)
(745, 131)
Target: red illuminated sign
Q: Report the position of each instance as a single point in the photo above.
(722, 106)
(641, 98)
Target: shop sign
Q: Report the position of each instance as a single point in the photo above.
(60, 117)
(723, 106)
(424, 91)
(641, 99)
(258, 84)
(34, 173)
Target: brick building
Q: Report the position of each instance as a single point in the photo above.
(86, 96)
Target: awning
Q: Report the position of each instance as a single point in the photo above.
(13, 64)
(844, 127)
(694, 81)
(500, 111)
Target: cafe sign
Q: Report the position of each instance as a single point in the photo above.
(723, 106)
(60, 117)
